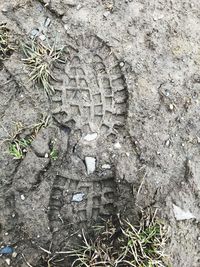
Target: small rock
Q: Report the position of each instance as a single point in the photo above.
(70, 3)
(90, 164)
(79, 6)
(66, 26)
(171, 106)
(14, 255)
(34, 33)
(106, 166)
(121, 64)
(90, 137)
(167, 143)
(22, 197)
(47, 22)
(4, 10)
(7, 261)
(78, 197)
(181, 215)
(117, 145)
(46, 155)
(106, 14)
(42, 37)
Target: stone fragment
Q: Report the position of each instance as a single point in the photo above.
(90, 137)
(34, 33)
(22, 197)
(14, 255)
(47, 22)
(117, 145)
(78, 197)
(181, 215)
(90, 164)
(7, 261)
(106, 166)
(42, 37)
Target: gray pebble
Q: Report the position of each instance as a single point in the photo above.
(78, 197)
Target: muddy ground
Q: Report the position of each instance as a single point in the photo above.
(124, 119)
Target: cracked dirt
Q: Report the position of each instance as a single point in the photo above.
(124, 119)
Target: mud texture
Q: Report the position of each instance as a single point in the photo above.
(124, 120)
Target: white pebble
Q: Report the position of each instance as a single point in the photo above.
(167, 143)
(90, 164)
(14, 255)
(117, 145)
(46, 155)
(106, 166)
(47, 22)
(181, 214)
(7, 261)
(90, 137)
(22, 197)
(42, 37)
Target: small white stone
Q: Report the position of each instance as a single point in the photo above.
(181, 215)
(7, 261)
(78, 197)
(79, 6)
(90, 164)
(42, 37)
(121, 64)
(90, 137)
(66, 26)
(46, 155)
(6, 233)
(117, 145)
(4, 9)
(14, 255)
(47, 22)
(22, 197)
(167, 143)
(106, 14)
(171, 106)
(106, 166)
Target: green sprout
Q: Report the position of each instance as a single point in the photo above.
(54, 154)
(53, 151)
(41, 59)
(18, 148)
